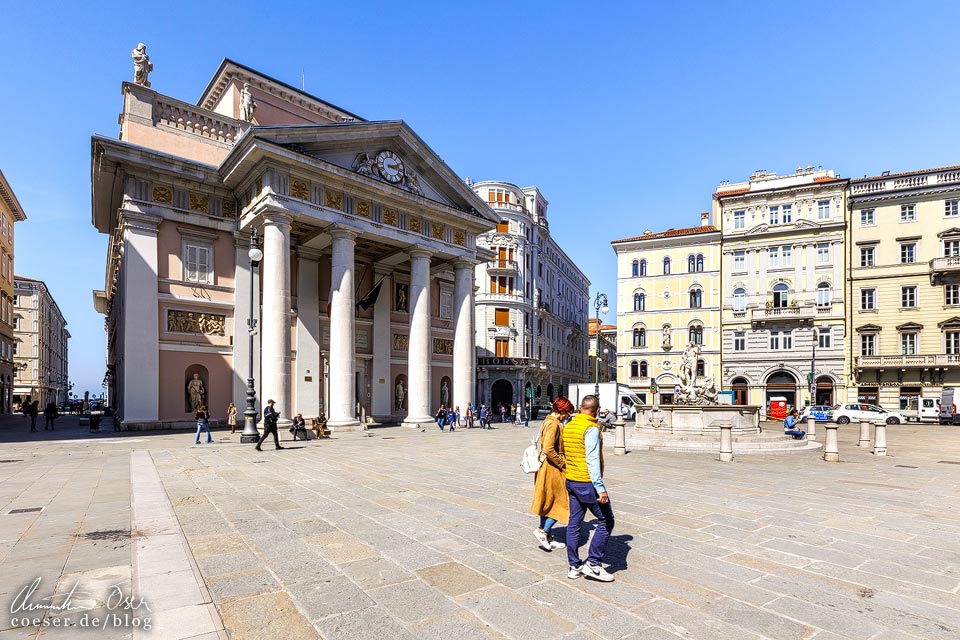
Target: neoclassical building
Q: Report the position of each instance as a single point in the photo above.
(10, 213)
(42, 344)
(783, 287)
(668, 295)
(904, 286)
(363, 303)
(531, 305)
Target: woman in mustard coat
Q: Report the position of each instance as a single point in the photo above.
(550, 500)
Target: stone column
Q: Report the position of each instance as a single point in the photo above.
(880, 439)
(383, 392)
(275, 326)
(342, 401)
(309, 365)
(726, 442)
(463, 337)
(241, 313)
(420, 352)
(811, 428)
(864, 434)
(140, 374)
(831, 450)
(620, 437)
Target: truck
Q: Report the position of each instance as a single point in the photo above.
(922, 409)
(613, 396)
(948, 406)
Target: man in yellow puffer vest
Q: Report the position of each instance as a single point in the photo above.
(583, 449)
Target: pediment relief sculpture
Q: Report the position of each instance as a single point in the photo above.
(388, 167)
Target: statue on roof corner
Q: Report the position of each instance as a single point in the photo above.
(141, 65)
(247, 104)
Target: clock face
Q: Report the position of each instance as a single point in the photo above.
(390, 166)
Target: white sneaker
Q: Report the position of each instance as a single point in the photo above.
(574, 572)
(555, 544)
(543, 539)
(595, 572)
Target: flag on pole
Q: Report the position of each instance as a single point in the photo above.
(371, 298)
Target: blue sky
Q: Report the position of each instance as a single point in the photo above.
(626, 115)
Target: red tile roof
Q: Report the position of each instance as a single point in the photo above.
(826, 179)
(731, 192)
(669, 233)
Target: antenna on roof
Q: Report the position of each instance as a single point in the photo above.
(303, 80)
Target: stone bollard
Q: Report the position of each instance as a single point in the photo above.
(831, 450)
(864, 434)
(726, 442)
(620, 437)
(880, 439)
(811, 428)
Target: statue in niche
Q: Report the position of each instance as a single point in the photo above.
(141, 65)
(666, 336)
(445, 394)
(196, 392)
(247, 104)
(401, 297)
(363, 164)
(400, 394)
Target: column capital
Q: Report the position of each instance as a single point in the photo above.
(139, 220)
(464, 263)
(420, 253)
(342, 233)
(277, 217)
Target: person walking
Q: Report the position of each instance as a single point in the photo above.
(270, 418)
(583, 452)
(526, 412)
(484, 417)
(503, 413)
(790, 426)
(452, 419)
(32, 410)
(469, 416)
(232, 417)
(550, 500)
(519, 414)
(50, 414)
(441, 416)
(203, 420)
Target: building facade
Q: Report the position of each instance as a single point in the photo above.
(603, 341)
(668, 295)
(904, 285)
(361, 304)
(531, 307)
(10, 213)
(783, 287)
(42, 339)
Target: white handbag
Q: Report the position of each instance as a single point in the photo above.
(532, 456)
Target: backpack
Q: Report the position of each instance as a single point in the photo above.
(532, 456)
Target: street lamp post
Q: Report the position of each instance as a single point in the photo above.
(600, 305)
(812, 378)
(250, 433)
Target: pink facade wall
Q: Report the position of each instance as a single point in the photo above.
(219, 383)
(270, 109)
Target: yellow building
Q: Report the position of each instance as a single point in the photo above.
(668, 295)
(904, 285)
(10, 213)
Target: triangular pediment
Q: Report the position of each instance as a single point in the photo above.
(949, 233)
(910, 326)
(868, 328)
(802, 223)
(951, 323)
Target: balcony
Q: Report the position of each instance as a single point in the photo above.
(509, 206)
(638, 381)
(940, 268)
(804, 313)
(931, 360)
(503, 267)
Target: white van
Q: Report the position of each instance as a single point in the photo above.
(948, 406)
(921, 409)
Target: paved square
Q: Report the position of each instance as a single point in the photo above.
(396, 533)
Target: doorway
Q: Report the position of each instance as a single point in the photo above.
(501, 393)
(782, 384)
(741, 391)
(824, 395)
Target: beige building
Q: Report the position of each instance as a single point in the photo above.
(42, 342)
(904, 285)
(604, 343)
(668, 295)
(10, 213)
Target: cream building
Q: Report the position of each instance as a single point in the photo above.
(783, 286)
(603, 340)
(42, 341)
(531, 304)
(10, 213)
(668, 295)
(904, 286)
(363, 301)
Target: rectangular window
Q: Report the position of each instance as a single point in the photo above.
(823, 253)
(951, 294)
(774, 256)
(739, 341)
(951, 248)
(823, 338)
(866, 256)
(867, 218)
(198, 263)
(739, 219)
(908, 297)
(908, 213)
(823, 210)
(786, 256)
(501, 317)
(739, 260)
(502, 348)
(787, 210)
(908, 252)
(908, 344)
(775, 340)
(868, 299)
(951, 208)
(787, 340)
(774, 215)
(446, 304)
(503, 227)
(952, 343)
(868, 344)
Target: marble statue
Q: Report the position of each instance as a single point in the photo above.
(445, 394)
(141, 65)
(247, 104)
(363, 164)
(666, 337)
(401, 297)
(400, 394)
(688, 391)
(412, 182)
(196, 392)
(688, 365)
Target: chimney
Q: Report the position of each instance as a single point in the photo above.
(705, 219)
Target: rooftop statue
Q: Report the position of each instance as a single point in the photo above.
(141, 65)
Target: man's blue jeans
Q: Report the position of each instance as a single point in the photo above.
(796, 433)
(202, 424)
(583, 498)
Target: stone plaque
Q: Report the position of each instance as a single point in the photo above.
(229, 207)
(390, 216)
(211, 324)
(443, 346)
(415, 224)
(401, 342)
(363, 208)
(436, 231)
(299, 189)
(199, 202)
(460, 238)
(162, 194)
(333, 199)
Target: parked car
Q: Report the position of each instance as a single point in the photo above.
(540, 411)
(818, 411)
(847, 413)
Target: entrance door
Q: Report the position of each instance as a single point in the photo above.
(501, 393)
(782, 384)
(824, 395)
(741, 391)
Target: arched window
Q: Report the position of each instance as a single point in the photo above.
(824, 294)
(643, 368)
(781, 295)
(701, 368)
(691, 263)
(740, 299)
(639, 338)
(634, 369)
(639, 302)
(635, 268)
(666, 266)
(699, 262)
(696, 298)
(696, 334)
(643, 267)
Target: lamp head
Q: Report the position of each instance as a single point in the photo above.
(256, 255)
(605, 309)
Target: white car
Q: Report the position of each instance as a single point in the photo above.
(847, 413)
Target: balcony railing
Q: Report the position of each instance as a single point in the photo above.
(509, 206)
(940, 267)
(905, 182)
(500, 297)
(638, 381)
(929, 360)
(782, 314)
(505, 266)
